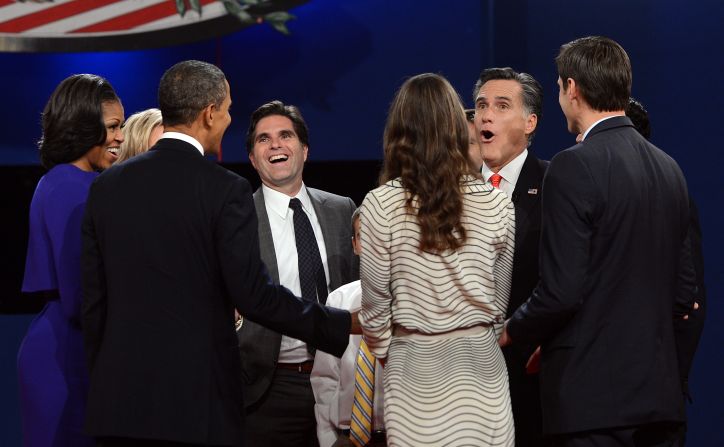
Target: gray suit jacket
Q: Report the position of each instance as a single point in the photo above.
(259, 346)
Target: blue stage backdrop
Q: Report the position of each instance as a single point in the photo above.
(344, 61)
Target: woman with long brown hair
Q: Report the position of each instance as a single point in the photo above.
(435, 277)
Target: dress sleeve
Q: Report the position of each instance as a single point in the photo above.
(503, 269)
(376, 313)
(39, 266)
(63, 209)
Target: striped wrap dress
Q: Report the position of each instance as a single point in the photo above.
(437, 318)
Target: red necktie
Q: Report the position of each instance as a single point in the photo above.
(495, 180)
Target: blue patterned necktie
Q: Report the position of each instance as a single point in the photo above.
(311, 271)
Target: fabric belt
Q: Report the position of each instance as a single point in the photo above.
(303, 367)
(399, 331)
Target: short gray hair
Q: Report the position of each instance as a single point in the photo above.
(531, 90)
(187, 88)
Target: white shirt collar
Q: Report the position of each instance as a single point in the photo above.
(183, 137)
(279, 202)
(510, 172)
(585, 134)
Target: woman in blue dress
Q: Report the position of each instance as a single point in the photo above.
(81, 135)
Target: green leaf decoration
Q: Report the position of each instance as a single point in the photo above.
(196, 5)
(181, 7)
(233, 8)
(281, 27)
(278, 16)
(239, 9)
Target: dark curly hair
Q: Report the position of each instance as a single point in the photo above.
(426, 145)
(187, 88)
(73, 119)
(639, 117)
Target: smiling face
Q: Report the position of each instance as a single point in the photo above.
(277, 154)
(221, 118)
(502, 122)
(104, 155)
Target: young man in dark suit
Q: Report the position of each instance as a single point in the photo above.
(278, 393)
(614, 220)
(688, 330)
(170, 250)
(508, 106)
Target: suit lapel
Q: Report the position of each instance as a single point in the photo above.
(320, 209)
(266, 242)
(526, 195)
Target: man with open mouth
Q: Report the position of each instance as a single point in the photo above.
(508, 106)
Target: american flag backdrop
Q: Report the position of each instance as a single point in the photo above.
(95, 25)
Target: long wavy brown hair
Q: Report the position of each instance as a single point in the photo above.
(426, 143)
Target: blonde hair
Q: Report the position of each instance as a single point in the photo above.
(137, 131)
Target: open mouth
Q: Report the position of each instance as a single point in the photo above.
(487, 135)
(113, 151)
(278, 158)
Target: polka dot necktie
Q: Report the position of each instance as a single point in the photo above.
(311, 271)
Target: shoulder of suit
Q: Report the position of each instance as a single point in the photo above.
(328, 196)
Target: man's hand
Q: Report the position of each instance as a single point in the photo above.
(356, 328)
(505, 339)
(696, 307)
(533, 364)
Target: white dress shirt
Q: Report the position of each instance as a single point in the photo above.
(281, 222)
(509, 172)
(585, 134)
(183, 137)
(333, 379)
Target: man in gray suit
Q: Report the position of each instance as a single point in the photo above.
(304, 236)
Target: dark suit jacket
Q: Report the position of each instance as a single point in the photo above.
(524, 390)
(688, 332)
(614, 219)
(170, 249)
(259, 346)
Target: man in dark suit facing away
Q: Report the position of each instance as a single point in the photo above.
(276, 368)
(614, 220)
(687, 330)
(508, 107)
(170, 250)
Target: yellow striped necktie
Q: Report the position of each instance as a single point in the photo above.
(360, 426)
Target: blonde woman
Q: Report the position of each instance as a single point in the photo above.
(142, 130)
(435, 273)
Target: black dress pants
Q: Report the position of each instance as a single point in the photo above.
(285, 415)
(658, 434)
